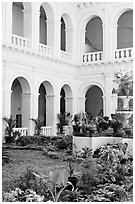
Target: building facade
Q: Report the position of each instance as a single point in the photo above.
(61, 57)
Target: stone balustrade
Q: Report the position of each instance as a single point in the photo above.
(46, 131)
(20, 41)
(124, 53)
(44, 49)
(92, 57)
(22, 130)
(65, 56)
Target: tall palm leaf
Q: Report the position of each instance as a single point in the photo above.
(10, 125)
(125, 81)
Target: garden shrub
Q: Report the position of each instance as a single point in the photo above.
(61, 144)
(5, 156)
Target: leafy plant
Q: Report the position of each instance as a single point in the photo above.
(11, 123)
(38, 124)
(64, 119)
(124, 80)
(19, 195)
(5, 156)
(59, 180)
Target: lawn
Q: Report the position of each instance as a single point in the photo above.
(20, 160)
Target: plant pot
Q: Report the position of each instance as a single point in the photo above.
(9, 139)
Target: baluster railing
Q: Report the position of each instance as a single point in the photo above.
(22, 131)
(46, 131)
(20, 41)
(92, 57)
(123, 53)
(45, 49)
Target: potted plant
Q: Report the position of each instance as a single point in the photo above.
(124, 80)
(11, 123)
(63, 119)
(38, 124)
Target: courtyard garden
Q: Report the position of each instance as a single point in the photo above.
(91, 162)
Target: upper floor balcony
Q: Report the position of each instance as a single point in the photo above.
(38, 30)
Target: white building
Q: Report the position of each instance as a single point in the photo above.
(61, 57)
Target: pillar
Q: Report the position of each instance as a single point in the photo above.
(81, 105)
(6, 21)
(50, 32)
(104, 105)
(56, 111)
(26, 110)
(31, 27)
(114, 98)
(81, 45)
(69, 40)
(33, 110)
(113, 40)
(57, 37)
(49, 110)
(69, 105)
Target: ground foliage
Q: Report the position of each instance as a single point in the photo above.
(103, 176)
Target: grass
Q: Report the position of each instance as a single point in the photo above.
(20, 160)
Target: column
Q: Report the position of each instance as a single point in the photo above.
(104, 105)
(26, 110)
(31, 27)
(69, 105)
(33, 110)
(106, 35)
(6, 21)
(81, 105)
(113, 40)
(69, 40)
(81, 45)
(57, 37)
(50, 111)
(50, 32)
(56, 111)
(114, 99)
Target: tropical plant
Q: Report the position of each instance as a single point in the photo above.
(38, 124)
(64, 119)
(5, 156)
(11, 123)
(124, 79)
(58, 181)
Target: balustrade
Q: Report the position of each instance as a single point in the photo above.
(46, 131)
(20, 41)
(65, 56)
(123, 53)
(45, 49)
(23, 131)
(92, 57)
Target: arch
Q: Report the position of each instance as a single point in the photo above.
(68, 90)
(49, 10)
(46, 104)
(94, 35)
(43, 26)
(66, 99)
(84, 87)
(88, 16)
(24, 80)
(67, 20)
(24, 84)
(125, 30)
(20, 101)
(118, 12)
(94, 101)
(66, 33)
(49, 24)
